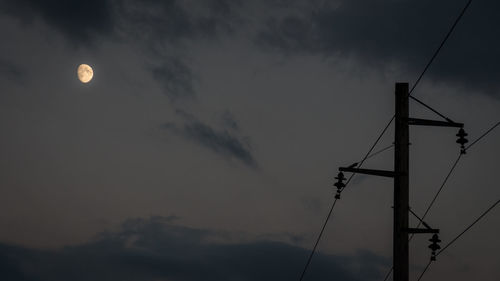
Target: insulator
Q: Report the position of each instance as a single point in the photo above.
(339, 184)
(340, 177)
(434, 246)
(462, 140)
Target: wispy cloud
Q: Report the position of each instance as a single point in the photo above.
(225, 142)
(10, 71)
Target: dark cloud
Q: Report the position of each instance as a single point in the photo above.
(163, 28)
(80, 21)
(379, 33)
(158, 249)
(229, 121)
(397, 31)
(169, 20)
(176, 78)
(10, 71)
(174, 21)
(223, 141)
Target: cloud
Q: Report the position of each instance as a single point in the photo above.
(378, 33)
(172, 20)
(163, 29)
(158, 249)
(396, 31)
(79, 21)
(10, 71)
(229, 121)
(176, 78)
(152, 20)
(224, 142)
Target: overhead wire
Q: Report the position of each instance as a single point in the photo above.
(440, 46)
(379, 151)
(468, 227)
(481, 216)
(460, 235)
(442, 185)
(430, 205)
(317, 240)
(367, 155)
(439, 191)
(425, 270)
(482, 136)
(450, 31)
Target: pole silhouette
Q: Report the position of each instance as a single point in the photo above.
(401, 184)
(400, 174)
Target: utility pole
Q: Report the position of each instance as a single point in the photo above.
(401, 181)
(401, 184)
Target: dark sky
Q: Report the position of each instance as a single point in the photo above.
(206, 145)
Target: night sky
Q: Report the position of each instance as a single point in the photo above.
(206, 145)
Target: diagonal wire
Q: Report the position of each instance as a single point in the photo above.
(424, 271)
(439, 191)
(482, 136)
(367, 155)
(335, 201)
(431, 204)
(317, 241)
(460, 235)
(432, 60)
(379, 151)
(389, 273)
(431, 109)
(468, 227)
(441, 46)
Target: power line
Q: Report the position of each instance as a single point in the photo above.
(468, 227)
(482, 136)
(459, 235)
(440, 46)
(443, 184)
(389, 273)
(317, 240)
(335, 200)
(367, 155)
(439, 191)
(474, 222)
(432, 60)
(430, 108)
(424, 271)
(431, 203)
(379, 151)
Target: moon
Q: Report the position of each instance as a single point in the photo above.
(85, 73)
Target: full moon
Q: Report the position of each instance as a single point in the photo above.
(85, 73)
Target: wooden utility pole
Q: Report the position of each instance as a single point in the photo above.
(401, 181)
(401, 184)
